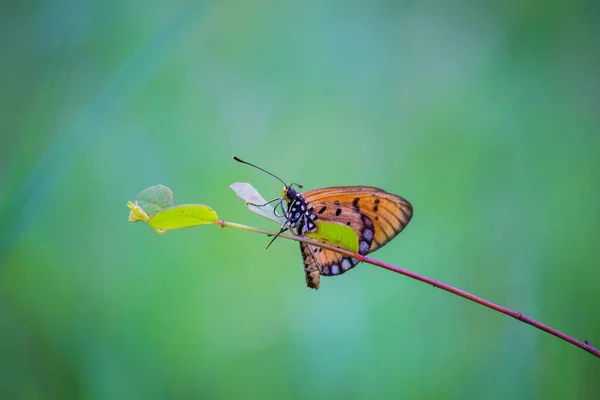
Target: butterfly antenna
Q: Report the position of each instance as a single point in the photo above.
(263, 170)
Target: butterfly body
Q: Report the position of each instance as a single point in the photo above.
(374, 214)
(299, 213)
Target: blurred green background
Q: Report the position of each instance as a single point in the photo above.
(485, 115)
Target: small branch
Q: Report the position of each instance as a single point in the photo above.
(583, 345)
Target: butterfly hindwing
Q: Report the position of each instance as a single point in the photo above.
(318, 261)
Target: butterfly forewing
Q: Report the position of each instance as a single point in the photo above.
(375, 215)
(388, 213)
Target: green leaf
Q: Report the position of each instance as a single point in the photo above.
(336, 234)
(183, 216)
(250, 195)
(155, 199)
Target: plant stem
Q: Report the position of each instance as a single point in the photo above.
(451, 289)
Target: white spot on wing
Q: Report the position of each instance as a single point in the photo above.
(363, 247)
(335, 269)
(368, 234)
(346, 265)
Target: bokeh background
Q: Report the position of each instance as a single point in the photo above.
(485, 115)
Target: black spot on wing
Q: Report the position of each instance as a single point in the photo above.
(376, 207)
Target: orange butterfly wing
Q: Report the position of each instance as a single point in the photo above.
(374, 214)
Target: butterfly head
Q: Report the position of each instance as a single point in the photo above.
(289, 194)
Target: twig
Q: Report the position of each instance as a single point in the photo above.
(583, 345)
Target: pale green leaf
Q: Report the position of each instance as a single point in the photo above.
(154, 199)
(250, 195)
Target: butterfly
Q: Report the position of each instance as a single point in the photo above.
(374, 214)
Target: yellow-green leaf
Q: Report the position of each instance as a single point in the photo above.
(136, 213)
(335, 234)
(183, 216)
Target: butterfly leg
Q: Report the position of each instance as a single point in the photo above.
(284, 227)
(280, 205)
(262, 205)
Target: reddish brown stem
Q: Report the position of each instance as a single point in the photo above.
(584, 345)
